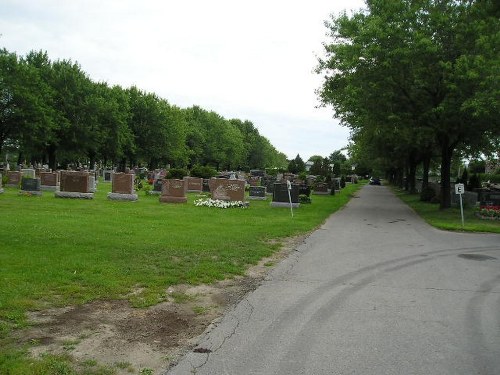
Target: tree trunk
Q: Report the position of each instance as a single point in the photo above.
(446, 155)
(412, 172)
(426, 166)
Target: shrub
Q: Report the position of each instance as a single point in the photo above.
(304, 199)
(474, 182)
(427, 194)
(342, 182)
(203, 171)
(178, 173)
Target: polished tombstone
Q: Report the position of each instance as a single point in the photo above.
(123, 187)
(108, 175)
(49, 181)
(28, 173)
(30, 186)
(281, 196)
(13, 179)
(173, 191)
(75, 185)
(194, 184)
(257, 193)
(227, 190)
(320, 188)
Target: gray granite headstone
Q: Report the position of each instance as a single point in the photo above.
(30, 186)
(257, 193)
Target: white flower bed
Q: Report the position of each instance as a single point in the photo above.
(219, 203)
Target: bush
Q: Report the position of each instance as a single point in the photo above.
(342, 182)
(304, 199)
(205, 172)
(178, 173)
(427, 194)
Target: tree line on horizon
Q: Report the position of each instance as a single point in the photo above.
(418, 84)
(52, 112)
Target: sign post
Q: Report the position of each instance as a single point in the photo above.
(289, 186)
(460, 189)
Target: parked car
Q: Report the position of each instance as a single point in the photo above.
(375, 181)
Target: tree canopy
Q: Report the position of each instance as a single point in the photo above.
(52, 112)
(415, 81)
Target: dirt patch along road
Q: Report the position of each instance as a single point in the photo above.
(115, 335)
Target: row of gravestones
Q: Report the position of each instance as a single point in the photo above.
(74, 184)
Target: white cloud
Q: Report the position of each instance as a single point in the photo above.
(250, 60)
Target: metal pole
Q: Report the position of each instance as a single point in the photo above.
(462, 210)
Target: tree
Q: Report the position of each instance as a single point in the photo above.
(296, 165)
(426, 71)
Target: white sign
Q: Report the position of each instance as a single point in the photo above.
(459, 189)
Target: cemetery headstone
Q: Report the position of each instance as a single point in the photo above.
(257, 193)
(157, 186)
(194, 184)
(1, 188)
(254, 181)
(173, 191)
(49, 181)
(108, 175)
(75, 185)
(92, 183)
(13, 178)
(206, 185)
(321, 188)
(28, 173)
(122, 187)
(281, 197)
(30, 186)
(228, 190)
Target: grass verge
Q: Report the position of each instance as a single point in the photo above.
(57, 252)
(449, 219)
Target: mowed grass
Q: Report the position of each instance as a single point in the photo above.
(449, 219)
(58, 252)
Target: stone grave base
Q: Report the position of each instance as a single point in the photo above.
(30, 192)
(195, 191)
(49, 188)
(122, 197)
(71, 194)
(321, 193)
(257, 198)
(154, 192)
(285, 204)
(165, 199)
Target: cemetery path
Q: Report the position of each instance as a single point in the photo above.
(374, 291)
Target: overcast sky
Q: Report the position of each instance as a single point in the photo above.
(249, 60)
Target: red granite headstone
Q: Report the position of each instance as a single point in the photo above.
(77, 182)
(173, 191)
(123, 183)
(228, 190)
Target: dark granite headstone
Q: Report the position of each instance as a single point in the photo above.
(281, 197)
(257, 192)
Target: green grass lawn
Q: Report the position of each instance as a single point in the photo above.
(449, 219)
(58, 252)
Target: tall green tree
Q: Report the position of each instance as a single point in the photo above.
(426, 71)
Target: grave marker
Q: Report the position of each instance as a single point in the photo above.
(30, 186)
(228, 190)
(173, 191)
(75, 185)
(122, 187)
(49, 181)
(281, 197)
(13, 179)
(257, 193)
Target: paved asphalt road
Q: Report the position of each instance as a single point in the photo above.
(374, 291)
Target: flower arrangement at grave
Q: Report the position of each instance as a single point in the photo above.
(489, 212)
(217, 203)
